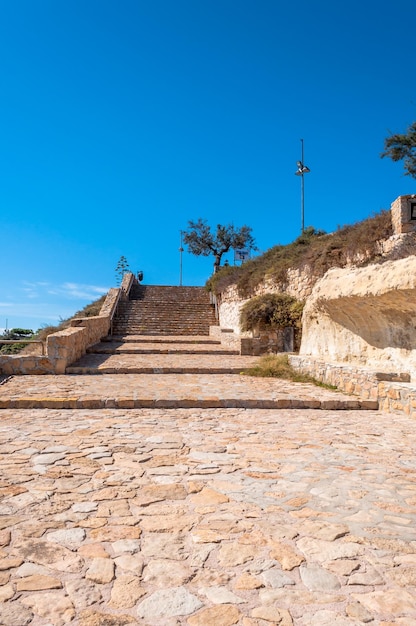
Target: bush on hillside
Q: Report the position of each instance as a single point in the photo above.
(273, 311)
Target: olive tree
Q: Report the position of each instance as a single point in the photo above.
(402, 147)
(201, 241)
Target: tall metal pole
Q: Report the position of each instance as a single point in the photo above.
(302, 194)
(302, 169)
(180, 260)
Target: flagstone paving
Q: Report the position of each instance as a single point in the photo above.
(199, 517)
(201, 499)
(170, 391)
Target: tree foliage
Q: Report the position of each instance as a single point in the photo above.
(402, 147)
(121, 268)
(201, 241)
(271, 310)
(15, 334)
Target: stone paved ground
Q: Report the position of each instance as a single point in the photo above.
(169, 391)
(207, 517)
(120, 511)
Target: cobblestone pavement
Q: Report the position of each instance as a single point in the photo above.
(169, 391)
(207, 517)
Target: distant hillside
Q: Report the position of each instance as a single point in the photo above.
(356, 243)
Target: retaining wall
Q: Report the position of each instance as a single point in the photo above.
(391, 391)
(68, 345)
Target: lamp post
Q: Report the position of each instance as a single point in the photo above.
(180, 260)
(302, 169)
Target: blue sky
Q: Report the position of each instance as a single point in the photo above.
(122, 120)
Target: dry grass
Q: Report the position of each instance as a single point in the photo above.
(313, 248)
(88, 311)
(278, 366)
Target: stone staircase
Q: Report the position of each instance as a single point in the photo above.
(160, 356)
(161, 310)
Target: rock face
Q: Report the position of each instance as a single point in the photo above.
(364, 316)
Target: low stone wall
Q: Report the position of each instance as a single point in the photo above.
(391, 392)
(65, 346)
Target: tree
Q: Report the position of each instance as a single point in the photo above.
(121, 269)
(403, 147)
(202, 242)
(15, 334)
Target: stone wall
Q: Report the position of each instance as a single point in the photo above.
(391, 392)
(65, 346)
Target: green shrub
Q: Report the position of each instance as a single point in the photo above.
(273, 311)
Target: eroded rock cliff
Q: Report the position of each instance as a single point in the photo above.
(364, 316)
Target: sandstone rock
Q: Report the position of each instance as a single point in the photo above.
(96, 618)
(224, 615)
(126, 545)
(92, 550)
(355, 610)
(71, 538)
(157, 493)
(315, 578)
(165, 523)
(323, 551)
(280, 617)
(10, 562)
(221, 595)
(82, 593)
(163, 573)
(232, 554)
(163, 545)
(390, 601)
(37, 582)
(247, 581)
(15, 614)
(54, 607)
(100, 571)
(6, 592)
(275, 578)
(364, 315)
(114, 533)
(126, 592)
(167, 603)
(286, 555)
(130, 563)
(4, 538)
(208, 496)
(51, 555)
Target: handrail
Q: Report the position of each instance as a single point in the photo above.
(214, 302)
(113, 312)
(24, 341)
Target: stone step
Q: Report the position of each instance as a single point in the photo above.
(146, 330)
(158, 348)
(170, 391)
(169, 293)
(128, 363)
(191, 339)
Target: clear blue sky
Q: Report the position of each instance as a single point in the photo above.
(121, 120)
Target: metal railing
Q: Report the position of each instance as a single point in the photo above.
(42, 343)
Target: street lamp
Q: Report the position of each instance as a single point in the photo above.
(180, 259)
(302, 169)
